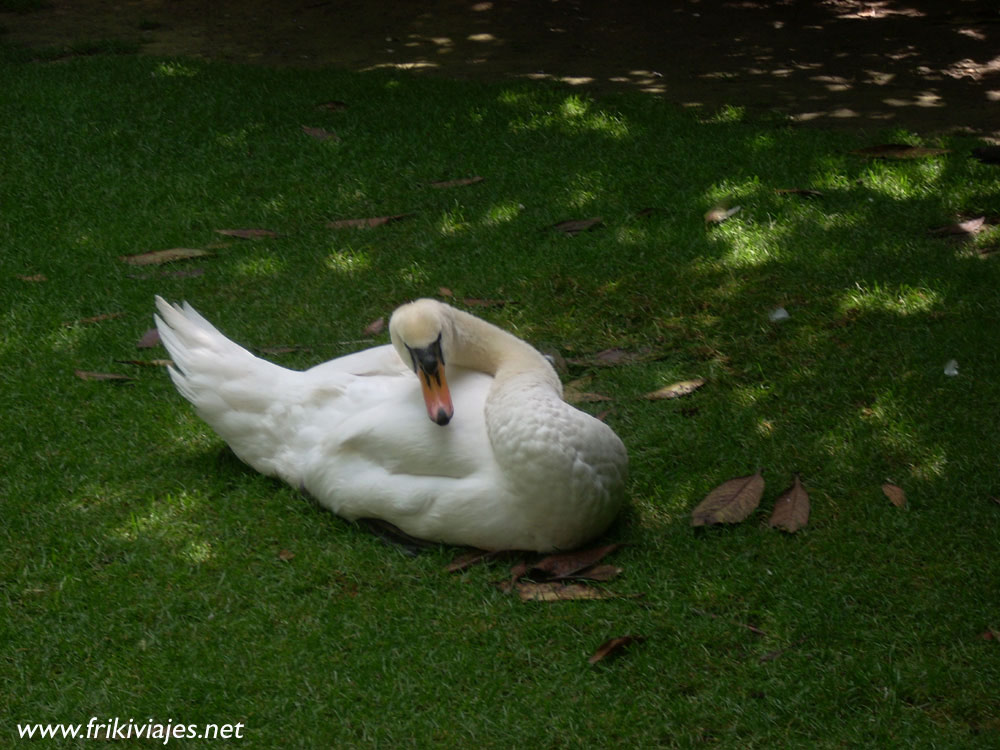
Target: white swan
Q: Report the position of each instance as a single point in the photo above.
(502, 463)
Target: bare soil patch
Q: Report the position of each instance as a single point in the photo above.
(925, 65)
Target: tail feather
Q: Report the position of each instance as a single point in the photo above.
(241, 396)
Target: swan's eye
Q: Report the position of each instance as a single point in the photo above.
(427, 359)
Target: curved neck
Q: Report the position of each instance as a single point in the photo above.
(482, 346)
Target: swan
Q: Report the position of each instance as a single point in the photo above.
(455, 433)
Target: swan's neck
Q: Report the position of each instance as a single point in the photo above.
(482, 346)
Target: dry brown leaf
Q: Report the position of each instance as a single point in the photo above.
(247, 234)
(102, 376)
(613, 647)
(573, 227)
(320, 134)
(285, 555)
(93, 319)
(895, 494)
(731, 502)
(899, 151)
(375, 327)
(34, 278)
(791, 509)
(721, 213)
(554, 591)
(149, 339)
(334, 105)
(614, 357)
(574, 393)
(461, 182)
(566, 564)
(473, 557)
(676, 390)
(961, 228)
(373, 221)
(445, 292)
(156, 257)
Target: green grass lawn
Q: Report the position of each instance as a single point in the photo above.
(146, 573)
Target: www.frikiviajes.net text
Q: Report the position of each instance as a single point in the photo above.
(116, 729)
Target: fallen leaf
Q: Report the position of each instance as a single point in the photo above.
(805, 193)
(573, 227)
(93, 319)
(187, 273)
(989, 635)
(247, 234)
(566, 564)
(334, 105)
(731, 502)
(645, 213)
(960, 228)
(791, 509)
(320, 134)
(676, 390)
(375, 327)
(285, 555)
(374, 221)
(102, 376)
(34, 278)
(613, 647)
(899, 151)
(149, 339)
(574, 392)
(721, 213)
(895, 494)
(554, 591)
(445, 292)
(156, 257)
(614, 357)
(473, 557)
(461, 182)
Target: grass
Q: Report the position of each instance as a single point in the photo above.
(141, 575)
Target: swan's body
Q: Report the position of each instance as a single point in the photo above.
(516, 468)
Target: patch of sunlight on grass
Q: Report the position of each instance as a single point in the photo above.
(174, 70)
(501, 213)
(67, 338)
(631, 235)
(239, 138)
(901, 300)
(415, 275)
(748, 245)
(197, 551)
(348, 260)
(259, 266)
(452, 222)
(574, 115)
(164, 518)
(746, 396)
(727, 114)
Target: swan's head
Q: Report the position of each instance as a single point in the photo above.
(421, 332)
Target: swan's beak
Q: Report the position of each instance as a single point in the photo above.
(429, 365)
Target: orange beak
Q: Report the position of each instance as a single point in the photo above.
(437, 397)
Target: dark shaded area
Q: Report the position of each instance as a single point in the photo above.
(926, 65)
